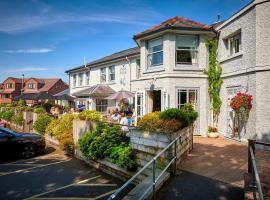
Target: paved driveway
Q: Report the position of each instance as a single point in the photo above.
(54, 176)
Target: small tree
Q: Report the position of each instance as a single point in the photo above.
(214, 80)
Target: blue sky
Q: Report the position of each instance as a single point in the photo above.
(43, 38)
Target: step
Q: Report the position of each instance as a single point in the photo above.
(139, 189)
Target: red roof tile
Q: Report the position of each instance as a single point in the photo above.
(174, 23)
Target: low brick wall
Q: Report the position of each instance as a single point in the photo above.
(147, 145)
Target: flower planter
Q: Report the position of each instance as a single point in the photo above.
(213, 135)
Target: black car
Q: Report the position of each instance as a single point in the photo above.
(23, 144)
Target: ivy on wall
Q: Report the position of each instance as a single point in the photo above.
(214, 79)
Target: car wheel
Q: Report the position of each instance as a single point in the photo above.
(28, 151)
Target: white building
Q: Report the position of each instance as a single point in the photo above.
(166, 69)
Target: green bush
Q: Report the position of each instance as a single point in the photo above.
(90, 115)
(18, 119)
(47, 106)
(150, 122)
(28, 109)
(66, 143)
(42, 122)
(103, 141)
(7, 115)
(21, 103)
(39, 110)
(123, 156)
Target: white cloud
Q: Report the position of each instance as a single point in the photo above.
(30, 51)
(24, 69)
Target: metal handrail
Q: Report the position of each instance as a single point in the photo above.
(153, 162)
(255, 174)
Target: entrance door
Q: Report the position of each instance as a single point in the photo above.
(154, 101)
(140, 103)
(190, 95)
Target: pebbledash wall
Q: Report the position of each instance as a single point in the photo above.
(249, 70)
(246, 71)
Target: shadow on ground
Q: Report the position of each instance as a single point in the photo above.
(188, 186)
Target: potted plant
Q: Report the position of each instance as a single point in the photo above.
(212, 132)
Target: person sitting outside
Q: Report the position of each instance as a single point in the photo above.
(115, 117)
(124, 122)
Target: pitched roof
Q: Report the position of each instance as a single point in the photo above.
(117, 55)
(175, 23)
(16, 80)
(99, 91)
(48, 83)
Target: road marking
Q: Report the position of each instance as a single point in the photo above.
(45, 165)
(33, 159)
(60, 188)
(105, 194)
(95, 184)
(62, 198)
(19, 164)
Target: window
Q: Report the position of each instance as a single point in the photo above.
(140, 103)
(138, 68)
(103, 75)
(74, 80)
(155, 52)
(31, 86)
(112, 73)
(234, 44)
(186, 49)
(80, 79)
(5, 96)
(101, 105)
(187, 96)
(9, 85)
(87, 74)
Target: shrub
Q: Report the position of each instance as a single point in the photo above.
(66, 143)
(42, 122)
(107, 141)
(123, 156)
(47, 106)
(90, 115)
(150, 122)
(28, 109)
(171, 125)
(21, 103)
(18, 119)
(39, 110)
(7, 115)
(51, 128)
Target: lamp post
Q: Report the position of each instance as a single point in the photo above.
(22, 83)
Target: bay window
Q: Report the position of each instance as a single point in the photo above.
(186, 49)
(155, 52)
(101, 105)
(74, 80)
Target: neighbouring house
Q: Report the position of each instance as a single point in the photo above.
(16, 86)
(167, 70)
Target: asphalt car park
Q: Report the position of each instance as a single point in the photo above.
(54, 176)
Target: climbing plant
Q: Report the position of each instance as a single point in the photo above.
(214, 79)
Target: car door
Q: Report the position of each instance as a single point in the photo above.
(8, 144)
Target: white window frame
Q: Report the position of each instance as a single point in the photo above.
(74, 81)
(31, 85)
(178, 98)
(87, 78)
(138, 68)
(149, 64)
(141, 107)
(80, 75)
(103, 106)
(195, 50)
(9, 85)
(233, 41)
(103, 75)
(111, 73)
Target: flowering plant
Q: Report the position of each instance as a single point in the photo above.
(241, 104)
(212, 129)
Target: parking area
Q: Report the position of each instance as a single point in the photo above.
(54, 176)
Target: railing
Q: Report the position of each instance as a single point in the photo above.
(252, 167)
(155, 179)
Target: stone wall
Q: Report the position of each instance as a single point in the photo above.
(147, 145)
